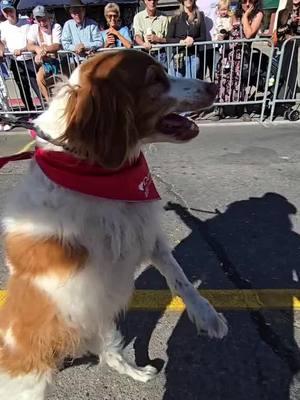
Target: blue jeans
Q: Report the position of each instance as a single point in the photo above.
(189, 70)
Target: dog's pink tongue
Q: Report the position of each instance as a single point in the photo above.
(180, 127)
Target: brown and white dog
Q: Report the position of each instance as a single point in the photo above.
(71, 255)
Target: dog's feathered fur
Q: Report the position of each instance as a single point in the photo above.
(72, 257)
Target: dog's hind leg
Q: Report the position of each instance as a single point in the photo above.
(114, 358)
(199, 310)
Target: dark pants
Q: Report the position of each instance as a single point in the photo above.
(208, 59)
(25, 76)
(289, 70)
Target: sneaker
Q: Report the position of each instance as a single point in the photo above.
(246, 117)
(215, 115)
(5, 127)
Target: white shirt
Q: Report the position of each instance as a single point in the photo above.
(222, 23)
(15, 36)
(48, 38)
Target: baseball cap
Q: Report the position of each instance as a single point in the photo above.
(39, 11)
(5, 4)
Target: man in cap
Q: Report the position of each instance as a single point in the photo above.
(44, 39)
(80, 34)
(13, 33)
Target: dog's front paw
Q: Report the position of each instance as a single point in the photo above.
(205, 317)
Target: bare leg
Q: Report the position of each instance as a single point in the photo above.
(41, 80)
(199, 310)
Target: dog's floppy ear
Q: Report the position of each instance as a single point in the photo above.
(100, 121)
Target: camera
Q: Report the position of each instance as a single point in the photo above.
(226, 34)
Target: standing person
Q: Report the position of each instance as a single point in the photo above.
(223, 21)
(150, 27)
(13, 33)
(80, 34)
(116, 35)
(44, 39)
(288, 26)
(245, 24)
(185, 28)
(209, 9)
(223, 27)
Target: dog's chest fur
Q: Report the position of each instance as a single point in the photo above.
(118, 236)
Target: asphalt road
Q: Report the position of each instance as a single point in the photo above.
(242, 184)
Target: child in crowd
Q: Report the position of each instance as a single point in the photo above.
(223, 26)
(223, 23)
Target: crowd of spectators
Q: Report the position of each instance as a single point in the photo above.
(195, 21)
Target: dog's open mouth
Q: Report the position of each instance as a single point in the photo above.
(178, 126)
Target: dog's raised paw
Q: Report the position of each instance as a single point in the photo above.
(144, 374)
(206, 319)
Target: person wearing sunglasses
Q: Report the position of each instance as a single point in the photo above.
(115, 35)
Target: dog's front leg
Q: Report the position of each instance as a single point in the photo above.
(199, 310)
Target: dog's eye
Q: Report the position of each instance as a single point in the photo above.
(161, 80)
(154, 80)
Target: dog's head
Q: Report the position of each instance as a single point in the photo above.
(119, 100)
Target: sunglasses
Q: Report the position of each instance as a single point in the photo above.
(41, 19)
(112, 16)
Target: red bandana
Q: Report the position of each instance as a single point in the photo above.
(133, 182)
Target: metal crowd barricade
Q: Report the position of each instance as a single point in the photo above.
(251, 75)
(245, 66)
(19, 89)
(286, 76)
(204, 60)
(16, 81)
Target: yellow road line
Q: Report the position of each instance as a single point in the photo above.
(27, 147)
(269, 299)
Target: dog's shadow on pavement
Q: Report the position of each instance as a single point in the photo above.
(251, 245)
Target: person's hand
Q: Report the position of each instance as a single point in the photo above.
(79, 48)
(152, 38)
(147, 45)
(41, 51)
(17, 52)
(189, 41)
(38, 59)
(110, 40)
(248, 12)
(113, 31)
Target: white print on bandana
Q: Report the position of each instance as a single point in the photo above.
(144, 186)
